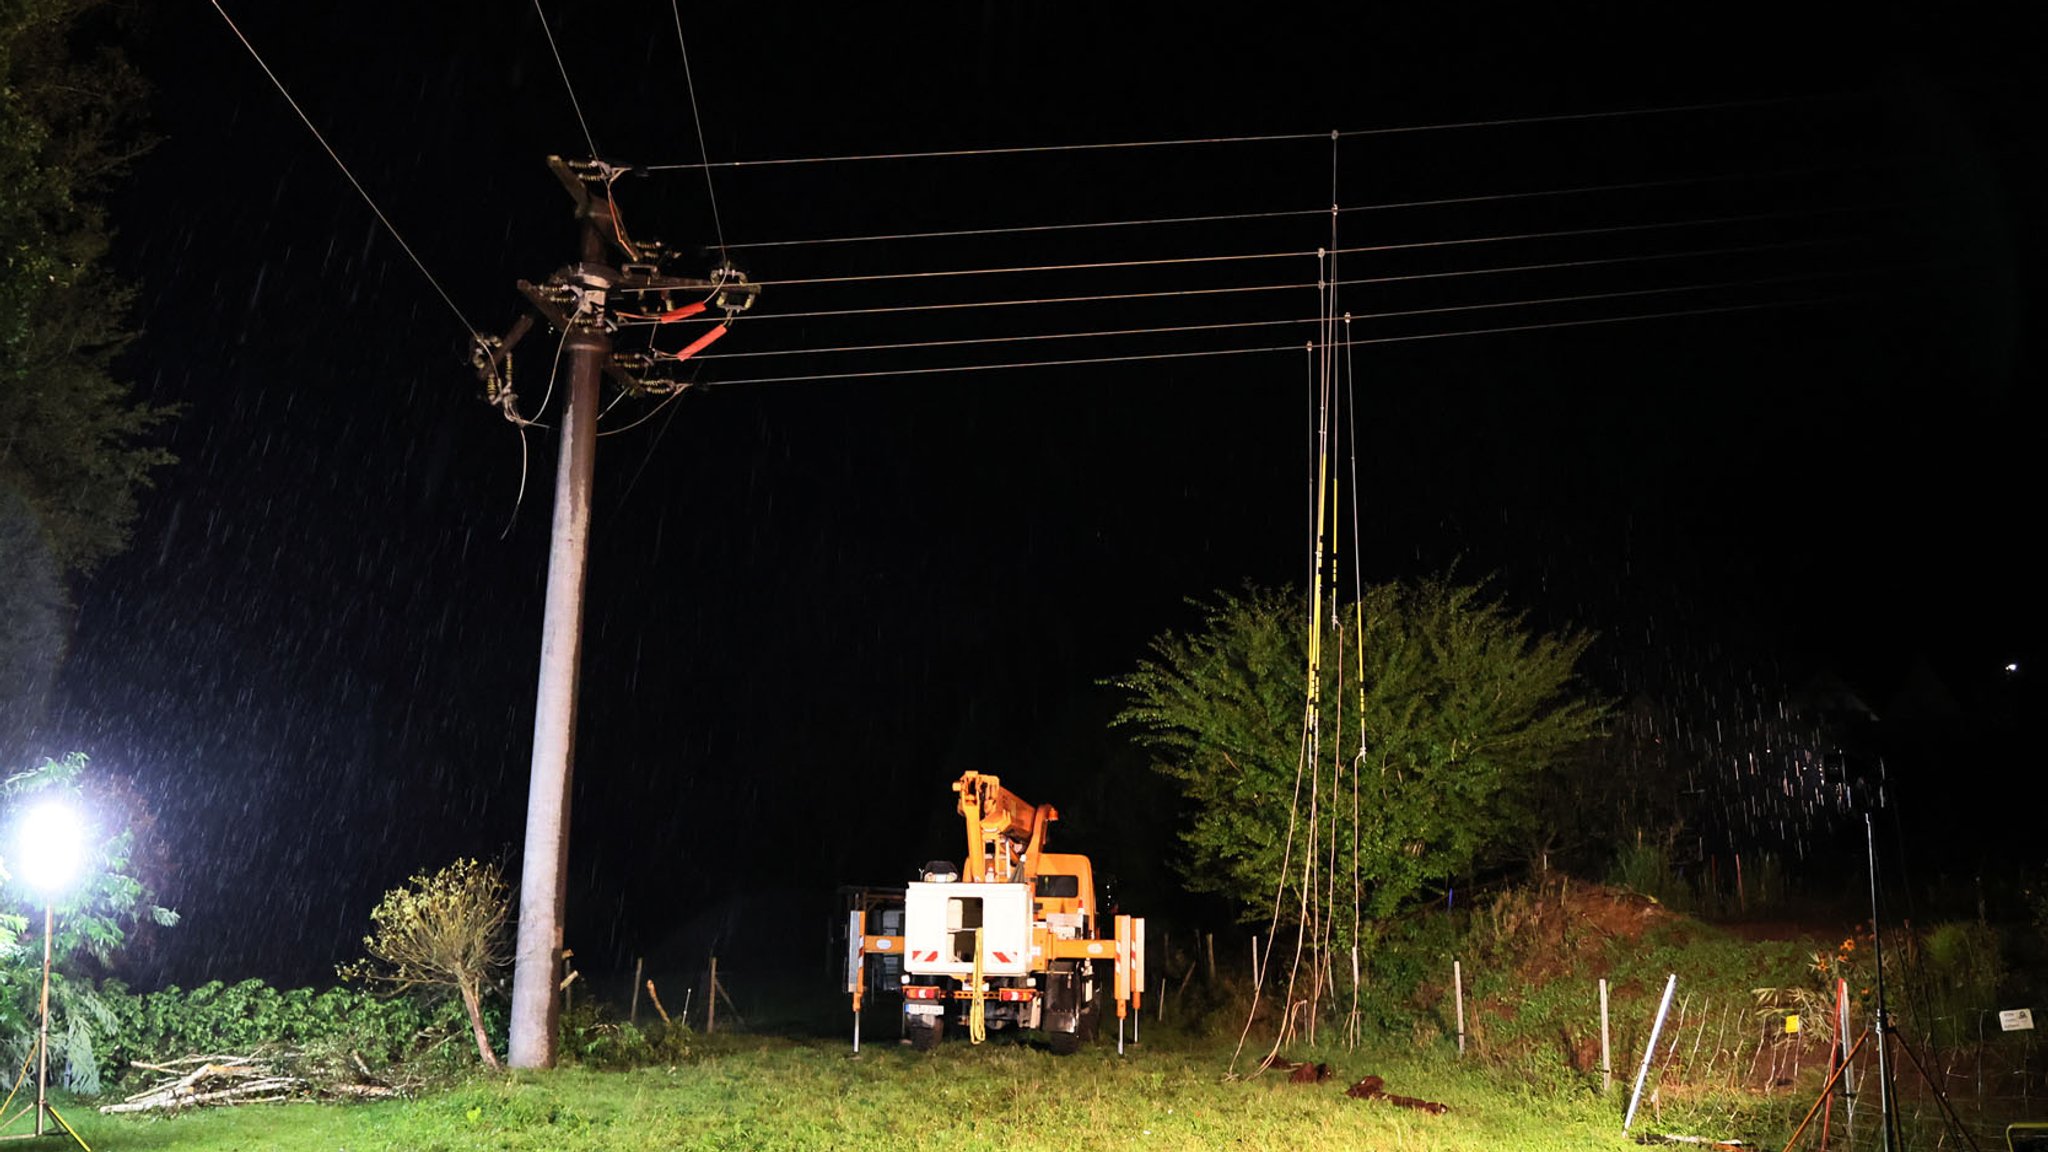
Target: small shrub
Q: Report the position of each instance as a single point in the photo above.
(594, 1036)
(339, 1024)
(1645, 867)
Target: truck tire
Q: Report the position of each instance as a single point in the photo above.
(1063, 1043)
(1086, 1025)
(925, 1036)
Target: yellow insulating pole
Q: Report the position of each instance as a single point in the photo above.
(977, 1023)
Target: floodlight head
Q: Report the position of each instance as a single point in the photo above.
(49, 846)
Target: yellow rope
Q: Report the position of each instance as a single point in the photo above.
(977, 1025)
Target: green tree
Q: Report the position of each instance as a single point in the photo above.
(1466, 715)
(71, 456)
(442, 930)
(93, 917)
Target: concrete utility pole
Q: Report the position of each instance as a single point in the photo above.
(578, 301)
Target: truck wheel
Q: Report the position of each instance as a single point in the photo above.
(1063, 1043)
(1085, 1025)
(925, 1036)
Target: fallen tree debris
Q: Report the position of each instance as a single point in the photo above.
(1297, 1071)
(202, 1081)
(1374, 1088)
(1701, 1141)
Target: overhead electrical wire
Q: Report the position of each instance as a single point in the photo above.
(960, 304)
(1291, 213)
(1173, 328)
(566, 83)
(1282, 137)
(1575, 298)
(703, 150)
(1294, 286)
(1409, 245)
(474, 334)
(1084, 266)
(1210, 352)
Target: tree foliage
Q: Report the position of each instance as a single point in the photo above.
(71, 451)
(68, 445)
(446, 930)
(1466, 716)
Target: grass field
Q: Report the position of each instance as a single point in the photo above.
(767, 1093)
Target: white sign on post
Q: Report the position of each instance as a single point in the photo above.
(2016, 1019)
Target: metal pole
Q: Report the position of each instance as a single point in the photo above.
(1606, 1058)
(43, 1033)
(1881, 1024)
(1649, 1050)
(1458, 987)
(544, 872)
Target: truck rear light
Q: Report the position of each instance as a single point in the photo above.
(922, 992)
(1015, 994)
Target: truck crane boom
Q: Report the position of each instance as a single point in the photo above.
(1004, 831)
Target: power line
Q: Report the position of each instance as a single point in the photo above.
(956, 305)
(1539, 301)
(1227, 217)
(1174, 328)
(1283, 137)
(1148, 356)
(1296, 286)
(1700, 222)
(957, 233)
(564, 70)
(1303, 254)
(702, 149)
(956, 152)
(1076, 267)
(1555, 265)
(360, 190)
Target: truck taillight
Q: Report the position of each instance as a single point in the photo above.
(921, 992)
(1015, 994)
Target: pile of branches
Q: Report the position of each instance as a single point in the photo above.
(201, 1081)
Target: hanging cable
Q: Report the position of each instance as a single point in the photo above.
(977, 999)
(566, 84)
(703, 150)
(1264, 965)
(476, 336)
(1358, 611)
(671, 398)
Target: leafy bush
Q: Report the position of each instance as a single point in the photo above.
(593, 1035)
(1958, 978)
(443, 930)
(335, 1023)
(1645, 867)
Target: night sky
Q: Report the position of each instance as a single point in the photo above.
(814, 602)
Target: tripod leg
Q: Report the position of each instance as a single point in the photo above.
(1940, 1097)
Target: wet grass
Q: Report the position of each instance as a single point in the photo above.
(764, 1093)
